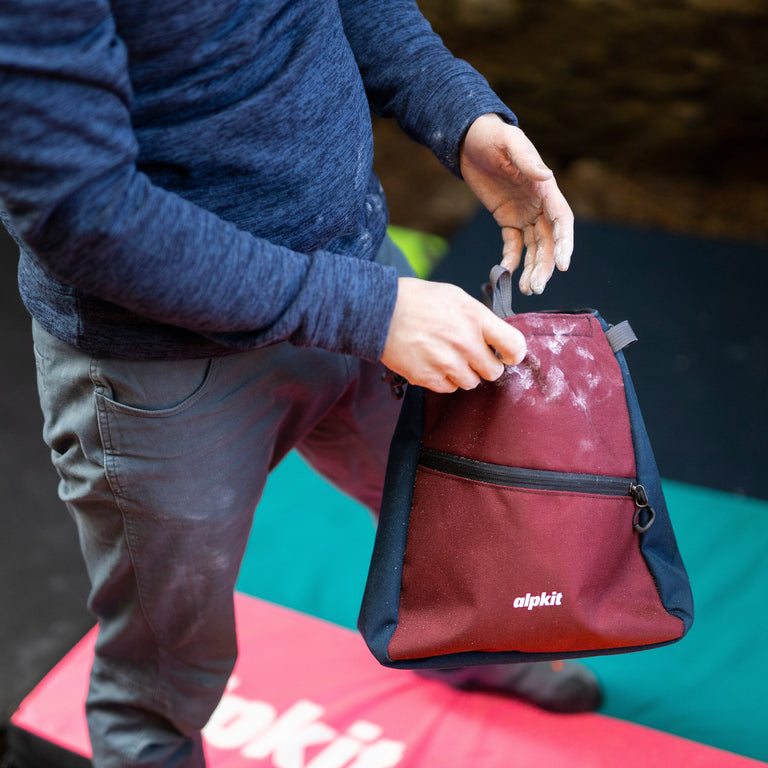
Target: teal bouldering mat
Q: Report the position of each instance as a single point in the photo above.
(309, 550)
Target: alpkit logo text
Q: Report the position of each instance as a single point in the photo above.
(297, 737)
(533, 601)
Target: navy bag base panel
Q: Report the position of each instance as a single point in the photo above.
(524, 520)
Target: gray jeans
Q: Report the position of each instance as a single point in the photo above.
(162, 465)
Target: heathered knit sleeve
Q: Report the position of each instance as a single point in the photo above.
(72, 194)
(410, 75)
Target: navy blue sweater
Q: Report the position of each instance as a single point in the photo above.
(189, 178)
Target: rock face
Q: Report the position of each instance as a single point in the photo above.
(651, 111)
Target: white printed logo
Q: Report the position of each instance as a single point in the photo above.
(257, 732)
(532, 601)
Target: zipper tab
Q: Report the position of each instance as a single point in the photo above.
(641, 502)
(396, 383)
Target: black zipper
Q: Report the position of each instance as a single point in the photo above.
(541, 479)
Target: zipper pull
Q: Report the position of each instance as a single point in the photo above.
(637, 492)
(396, 383)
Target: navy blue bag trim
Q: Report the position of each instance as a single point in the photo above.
(381, 599)
(658, 545)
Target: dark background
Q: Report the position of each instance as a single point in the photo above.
(43, 586)
(652, 112)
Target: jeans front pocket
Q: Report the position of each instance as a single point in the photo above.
(152, 388)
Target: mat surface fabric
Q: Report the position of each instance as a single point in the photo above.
(306, 694)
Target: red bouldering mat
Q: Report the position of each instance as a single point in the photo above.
(308, 694)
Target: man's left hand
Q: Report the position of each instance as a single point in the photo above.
(504, 170)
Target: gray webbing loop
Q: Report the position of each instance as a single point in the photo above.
(501, 286)
(620, 335)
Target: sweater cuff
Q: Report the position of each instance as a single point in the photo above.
(358, 299)
(452, 109)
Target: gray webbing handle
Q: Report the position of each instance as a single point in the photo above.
(619, 336)
(501, 291)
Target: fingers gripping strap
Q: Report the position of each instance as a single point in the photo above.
(620, 335)
(501, 283)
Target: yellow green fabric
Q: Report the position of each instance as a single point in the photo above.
(423, 250)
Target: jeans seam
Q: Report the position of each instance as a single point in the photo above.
(113, 481)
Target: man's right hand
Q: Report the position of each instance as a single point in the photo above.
(443, 339)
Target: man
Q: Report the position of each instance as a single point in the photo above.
(203, 252)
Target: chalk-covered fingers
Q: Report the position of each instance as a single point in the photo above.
(441, 338)
(539, 257)
(512, 249)
(548, 245)
(506, 172)
(561, 217)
